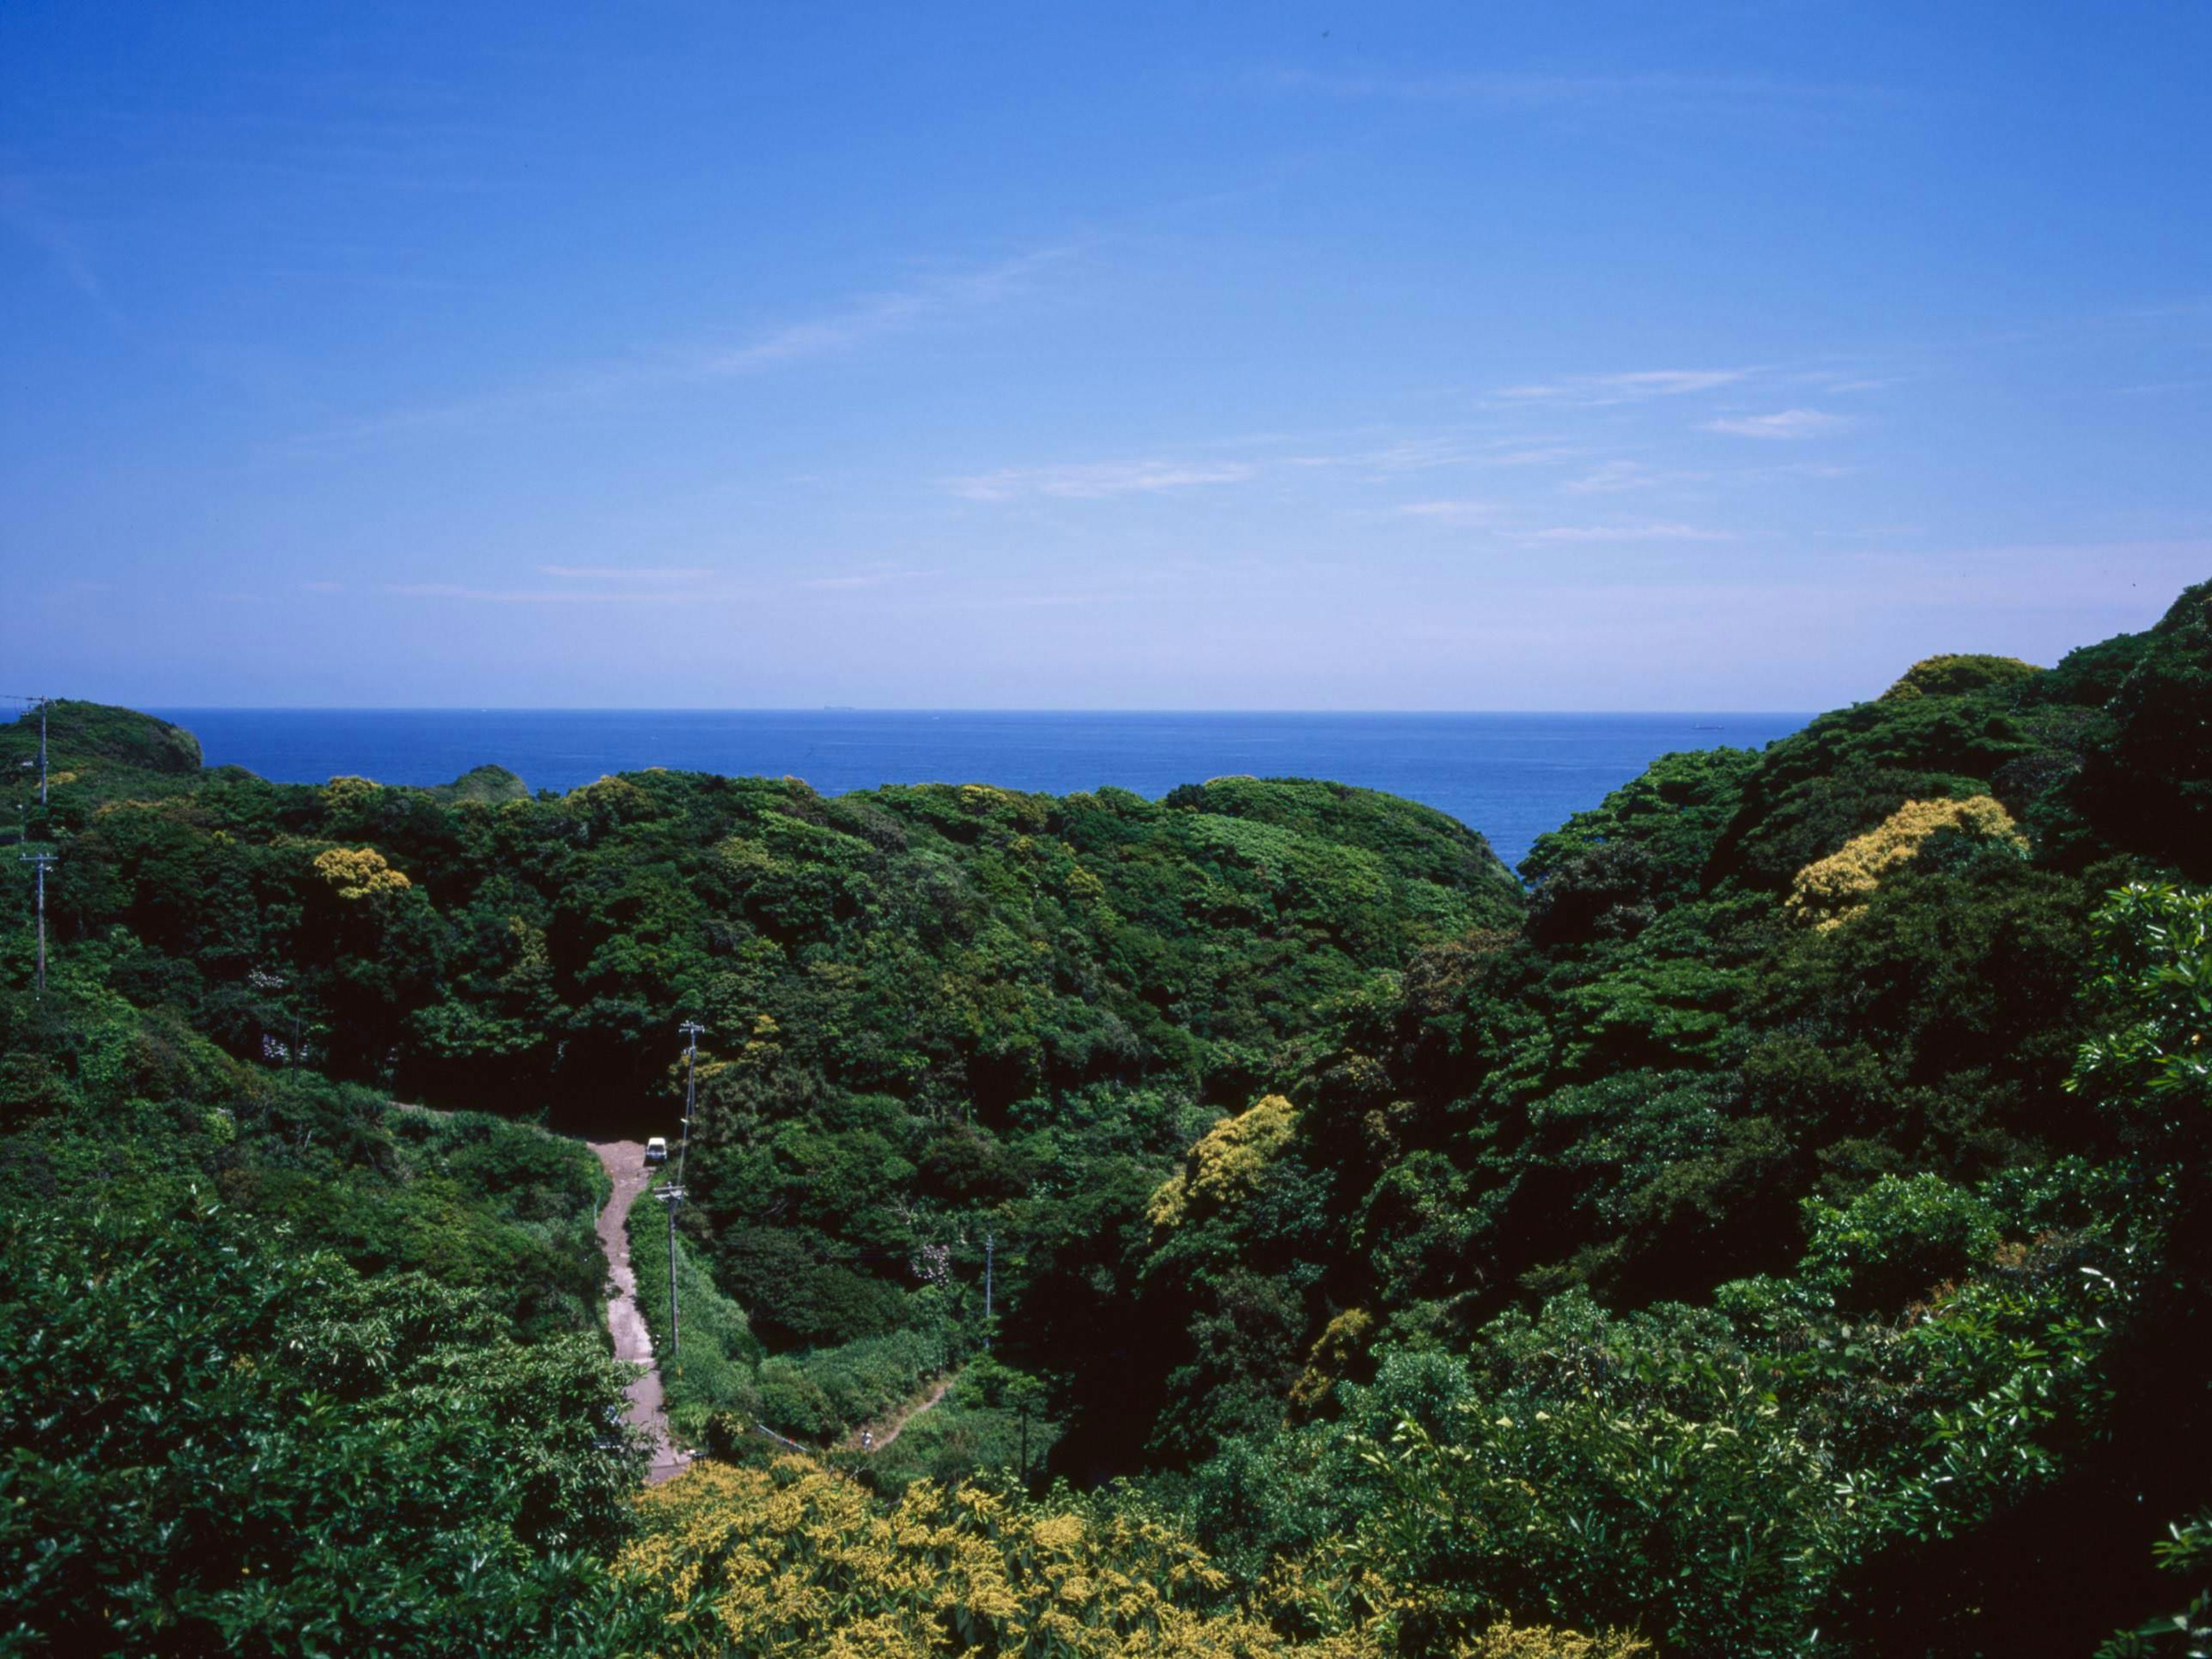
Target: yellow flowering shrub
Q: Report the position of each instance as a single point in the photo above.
(1227, 1163)
(796, 1560)
(359, 873)
(1341, 1343)
(1331, 1590)
(1511, 1641)
(1832, 890)
(531, 952)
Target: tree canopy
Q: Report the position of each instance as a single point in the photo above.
(1775, 1228)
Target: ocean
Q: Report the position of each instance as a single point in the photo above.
(1511, 776)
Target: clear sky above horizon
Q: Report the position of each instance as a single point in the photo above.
(1233, 356)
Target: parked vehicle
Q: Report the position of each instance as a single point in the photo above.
(656, 1150)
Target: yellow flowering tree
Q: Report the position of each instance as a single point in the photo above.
(359, 873)
(1831, 891)
(1227, 1163)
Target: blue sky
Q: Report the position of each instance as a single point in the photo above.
(1203, 356)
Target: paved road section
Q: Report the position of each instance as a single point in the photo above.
(624, 1162)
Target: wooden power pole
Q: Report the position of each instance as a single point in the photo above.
(672, 1193)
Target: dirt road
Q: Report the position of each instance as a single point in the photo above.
(884, 1429)
(624, 1162)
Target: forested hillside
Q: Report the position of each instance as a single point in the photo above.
(1779, 1228)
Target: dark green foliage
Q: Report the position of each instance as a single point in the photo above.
(1716, 1476)
(216, 1442)
(715, 1369)
(935, 1013)
(2187, 1550)
(1670, 1084)
(283, 1368)
(1605, 873)
(1644, 1255)
(2148, 788)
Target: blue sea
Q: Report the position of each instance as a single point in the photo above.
(1511, 776)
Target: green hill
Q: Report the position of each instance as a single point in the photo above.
(1779, 1229)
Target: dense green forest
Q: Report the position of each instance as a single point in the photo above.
(1775, 1225)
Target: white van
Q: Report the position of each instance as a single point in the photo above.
(656, 1151)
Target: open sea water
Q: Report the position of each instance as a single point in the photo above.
(1511, 776)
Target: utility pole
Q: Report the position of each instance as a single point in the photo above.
(990, 1242)
(692, 1029)
(673, 1194)
(40, 861)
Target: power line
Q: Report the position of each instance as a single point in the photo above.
(694, 1030)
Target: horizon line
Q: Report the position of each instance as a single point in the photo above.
(863, 708)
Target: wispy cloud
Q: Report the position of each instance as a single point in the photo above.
(1598, 390)
(1364, 455)
(1405, 455)
(1552, 455)
(863, 321)
(863, 578)
(454, 591)
(612, 573)
(1612, 478)
(2155, 388)
(1448, 512)
(1628, 532)
(1801, 469)
(324, 587)
(1041, 601)
(1098, 480)
(1787, 423)
(877, 315)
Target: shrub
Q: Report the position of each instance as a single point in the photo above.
(213, 1444)
(1954, 676)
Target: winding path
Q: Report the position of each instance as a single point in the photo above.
(624, 1162)
(886, 1428)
